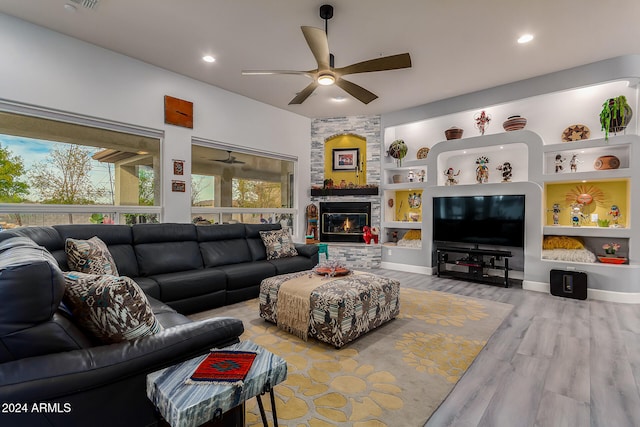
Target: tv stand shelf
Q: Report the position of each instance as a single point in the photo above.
(477, 262)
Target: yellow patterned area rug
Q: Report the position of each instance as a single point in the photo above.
(395, 375)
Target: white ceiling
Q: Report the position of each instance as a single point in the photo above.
(457, 46)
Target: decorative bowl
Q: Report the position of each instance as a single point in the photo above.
(397, 179)
(612, 259)
(606, 162)
(514, 123)
(453, 133)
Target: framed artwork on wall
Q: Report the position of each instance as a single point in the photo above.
(178, 186)
(346, 159)
(178, 112)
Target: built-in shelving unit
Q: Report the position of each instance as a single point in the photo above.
(532, 154)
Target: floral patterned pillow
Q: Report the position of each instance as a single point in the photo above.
(111, 308)
(278, 244)
(90, 256)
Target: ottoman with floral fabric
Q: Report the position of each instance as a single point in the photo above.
(335, 310)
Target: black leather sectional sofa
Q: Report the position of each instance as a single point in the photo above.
(47, 361)
(190, 268)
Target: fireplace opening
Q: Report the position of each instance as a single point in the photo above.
(344, 221)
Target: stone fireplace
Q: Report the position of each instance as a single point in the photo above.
(354, 253)
(344, 221)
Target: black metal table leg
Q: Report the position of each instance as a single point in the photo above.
(273, 408)
(262, 414)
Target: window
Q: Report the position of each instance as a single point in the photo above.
(48, 163)
(239, 186)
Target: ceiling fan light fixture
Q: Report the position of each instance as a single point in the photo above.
(326, 79)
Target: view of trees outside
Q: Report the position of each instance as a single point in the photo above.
(256, 194)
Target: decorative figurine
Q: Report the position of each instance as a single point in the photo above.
(375, 232)
(482, 121)
(573, 163)
(506, 170)
(366, 234)
(615, 214)
(576, 214)
(556, 213)
(415, 200)
(421, 175)
(482, 170)
(451, 180)
(559, 161)
(411, 176)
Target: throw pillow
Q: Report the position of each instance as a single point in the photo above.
(413, 235)
(111, 308)
(278, 244)
(90, 256)
(562, 242)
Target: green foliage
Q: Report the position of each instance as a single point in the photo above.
(146, 187)
(256, 194)
(613, 108)
(11, 170)
(65, 178)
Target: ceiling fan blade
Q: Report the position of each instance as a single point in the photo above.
(273, 72)
(356, 91)
(319, 45)
(304, 94)
(393, 62)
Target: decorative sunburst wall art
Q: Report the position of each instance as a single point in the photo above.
(588, 195)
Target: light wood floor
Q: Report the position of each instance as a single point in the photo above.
(553, 362)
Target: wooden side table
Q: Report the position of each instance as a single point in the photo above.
(190, 405)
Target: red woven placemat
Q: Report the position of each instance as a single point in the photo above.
(224, 367)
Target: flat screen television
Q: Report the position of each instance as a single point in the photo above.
(479, 220)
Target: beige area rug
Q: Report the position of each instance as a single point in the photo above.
(396, 375)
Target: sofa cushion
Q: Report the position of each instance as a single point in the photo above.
(118, 239)
(185, 284)
(168, 257)
(166, 248)
(278, 244)
(223, 244)
(31, 288)
(90, 256)
(256, 245)
(246, 275)
(111, 308)
(292, 264)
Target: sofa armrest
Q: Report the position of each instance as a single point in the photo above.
(55, 376)
(306, 250)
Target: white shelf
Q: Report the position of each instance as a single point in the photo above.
(560, 230)
(406, 165)
(613, 141)
(403, 224)
(592, 175)
(405, 186)
(401, 248)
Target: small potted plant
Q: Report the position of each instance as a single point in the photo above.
(611, 248)
(615, 115)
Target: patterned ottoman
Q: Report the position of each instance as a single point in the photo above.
(341, 308)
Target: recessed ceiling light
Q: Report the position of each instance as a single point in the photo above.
(70, 8)
(208, 58)
(339, 98)
(526, 38)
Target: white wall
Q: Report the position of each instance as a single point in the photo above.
(54, 71)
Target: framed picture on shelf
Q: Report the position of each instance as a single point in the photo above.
(346, 159)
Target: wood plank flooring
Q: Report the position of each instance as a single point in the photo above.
(554, 362)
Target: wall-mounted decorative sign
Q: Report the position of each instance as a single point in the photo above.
(346, 159)
(178, 112)
(178, 167)
(178, 186)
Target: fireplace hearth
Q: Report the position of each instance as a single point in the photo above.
(344, 221)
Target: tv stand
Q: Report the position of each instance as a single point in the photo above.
(477, 261)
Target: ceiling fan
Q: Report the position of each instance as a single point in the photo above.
(326, 74)
(229, 160)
